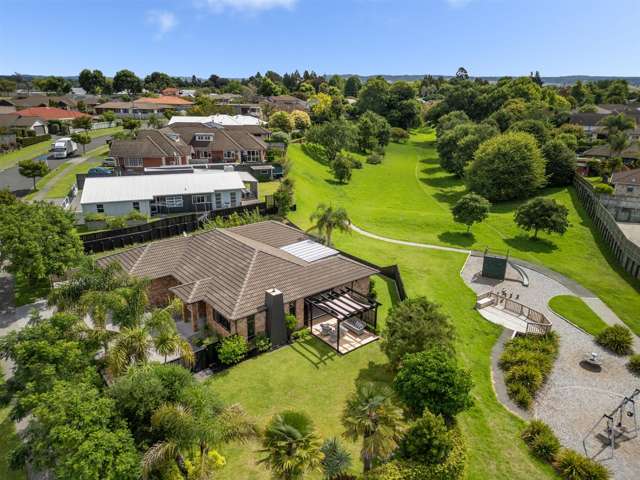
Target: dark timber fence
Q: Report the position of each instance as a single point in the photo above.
(626, 252)
(103, 241)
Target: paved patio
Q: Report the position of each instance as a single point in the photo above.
(349, 341)
(573, 398)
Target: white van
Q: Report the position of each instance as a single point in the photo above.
(64, 147)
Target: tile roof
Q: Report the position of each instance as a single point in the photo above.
(165, 100)
(150, 144)
(633, 151)
(223, 138)
(50, 113)
(232, 268)
(628, 177)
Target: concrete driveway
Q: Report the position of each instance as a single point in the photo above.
(21, 186)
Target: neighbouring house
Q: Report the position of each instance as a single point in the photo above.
(626, 182)
(63, 102)
(170, 92)
(288, 103)
(244, 280)
(624, 203)
(590, 123)
(144, 107)
(219, 119)
(78, 91)
(250, 109)
(162, 194)
(629, 155)
(225, 98)
(150, 148)
(176, 102)
(6, 106)
(216, 144)
(19, 124)
(51, 113)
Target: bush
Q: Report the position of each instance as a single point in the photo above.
(617, 339)
(355, 163)
(427, 441)
(291, 322)
(233, 349)
(432, 380)
(399, 135)
(301, 335)
(603, 188)
(541, 440)
(263, 344)
(574, 466)
(26, 141)
(135, 215)
(95, 217)
(116, 222)
(374, 159)
(453, 468)
(527, 361)
(634, 364)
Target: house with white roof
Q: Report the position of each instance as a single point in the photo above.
(220, 119)
(163, 194)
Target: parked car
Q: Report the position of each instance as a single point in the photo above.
(100, 172)
(64, 147)
(109, 162)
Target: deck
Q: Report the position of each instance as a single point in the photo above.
(349, 341)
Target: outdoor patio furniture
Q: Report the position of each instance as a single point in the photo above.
(326, 329)
(355, 325)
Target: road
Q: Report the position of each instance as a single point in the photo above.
(21, 186)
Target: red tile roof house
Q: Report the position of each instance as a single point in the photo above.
(151, 148)
(51, 113)
(244, 280)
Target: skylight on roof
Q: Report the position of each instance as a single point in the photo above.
(309, 251)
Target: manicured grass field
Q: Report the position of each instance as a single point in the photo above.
(64, 184)
(8, 160)
(576, 311)
(409, 196)
(267, 188)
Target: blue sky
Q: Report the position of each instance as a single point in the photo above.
(239, 37)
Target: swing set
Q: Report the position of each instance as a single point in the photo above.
(621, 423)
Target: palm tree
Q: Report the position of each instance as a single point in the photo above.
(291, 446)
(371, 414)
(193, 431)
(327, 218)
(337, 459)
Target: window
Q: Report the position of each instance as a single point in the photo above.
(253, 156)
(100, 208)
(221, 320)
(203, 154)
(133, 162)
(233, 197)
(204, 137)
(218, 200)
(629, 189)
(251, 327)
(199, 199)
(136, 206)
(292, 308)
(174, 201)
(229, 154)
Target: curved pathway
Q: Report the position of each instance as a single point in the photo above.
(409, 244)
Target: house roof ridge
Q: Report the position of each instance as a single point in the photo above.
(245, 281)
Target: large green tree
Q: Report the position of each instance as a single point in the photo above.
(341, 168)
(373, 130)
(38, 239)
(432, 380)
(92, 81)
(371, 416)
(561, 162)
(127, 81)
(82, 138)
(414, 325)
(542, 214)
(76, 433)
(334, 136)
(291, 446)
(470, 209)
(374, 96)
(352, 86)
(507, 167)
(457, 146)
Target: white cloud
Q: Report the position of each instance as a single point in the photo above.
(218, 6)
(164, 21)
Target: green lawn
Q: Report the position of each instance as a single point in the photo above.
(104, 132)
(267, 188)
(409, 196)
(64, 184)
(576, 311)
(8, 441)
(8, 160)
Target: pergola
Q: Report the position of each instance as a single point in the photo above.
(344, 305)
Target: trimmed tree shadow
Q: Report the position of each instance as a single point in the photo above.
(332, 181)
(375, 373)
(460, 239)
(314, 350)
(526, 243)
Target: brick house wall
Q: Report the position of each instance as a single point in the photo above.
(159, 294)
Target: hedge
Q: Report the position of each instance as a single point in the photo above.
(26, 141)
(453, 468)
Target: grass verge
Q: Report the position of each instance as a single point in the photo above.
(577, 312)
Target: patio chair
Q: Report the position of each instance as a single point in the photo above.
(356, 326)
(326, 329)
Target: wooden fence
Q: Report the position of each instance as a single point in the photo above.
(624, 250)
(536, 322)
(103, 241)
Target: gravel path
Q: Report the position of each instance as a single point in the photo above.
(573, 398)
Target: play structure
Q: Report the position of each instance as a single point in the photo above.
(619, 425)
(494, 265)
